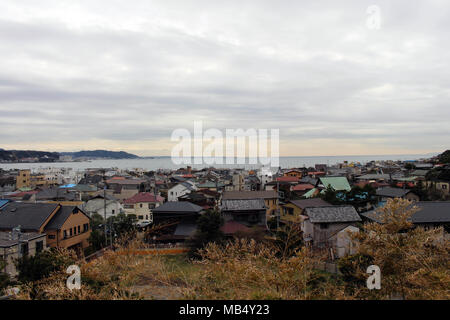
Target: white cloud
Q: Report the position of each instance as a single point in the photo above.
(124, 74)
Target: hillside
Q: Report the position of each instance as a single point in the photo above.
(25, 155)
(101, 154)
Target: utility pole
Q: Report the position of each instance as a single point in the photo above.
(278, 204)
(104, 201)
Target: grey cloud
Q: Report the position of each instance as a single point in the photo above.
(111, 71)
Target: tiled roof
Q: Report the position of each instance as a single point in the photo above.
(247, 195)
(302, 187)
(287, 179)
(429, 212)
(30, 216)
(144, 197)
(392, 192)
(243, 205)
(332, 214)
(178, 207)
(310, 203)
(6, 241)
(61, 216)
(125, 181)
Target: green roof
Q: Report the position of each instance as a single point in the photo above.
(310, 193)
(337, 183)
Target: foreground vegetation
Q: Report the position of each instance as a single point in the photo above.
(414, 263)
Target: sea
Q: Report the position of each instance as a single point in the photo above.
(156, 163)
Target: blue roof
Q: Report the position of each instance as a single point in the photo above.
(68, 186)
(3, 203)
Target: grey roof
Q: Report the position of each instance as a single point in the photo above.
(55, 193)
(429, 212)
(60, 217)
(374, 177)
(30, 216)
(185, 230)
(248, 195)
(310, 180)
(392, 192)
(310, 203)
(188, 185)
(178, 206)
(243, 205)
(332, 214)
(6, 240)
(420, 173)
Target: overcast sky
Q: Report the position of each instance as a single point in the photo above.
(122, 75)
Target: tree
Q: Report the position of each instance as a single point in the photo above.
(208, 230)
(414, 262)
(330, 196)
(97, 237)
(444, 157)
(42, 264)
(123, 224)
(288, 240)
(4, 277)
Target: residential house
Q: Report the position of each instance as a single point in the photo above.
(301, 189)
(212, 185)
(294, 209)
(248, 212)
(390, 193)
(16, 244)
(142, 206)
(375, 177)
(293, 173)
(126, 188)
(96, 205)
(65, 226)
(270, 198)
(321, 223)
(429, 214)
(180, 217)
(180, 190)
(7, 183)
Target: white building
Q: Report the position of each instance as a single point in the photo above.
(264, 175)
(180, 190)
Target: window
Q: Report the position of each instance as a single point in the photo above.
(140, 205)
(85, 227)
(140, 217)
(146, 217)
(65, 234)
(74, 230)
(79, 229)
(324, 226)
(444, 186)
(71, 233)
(24, 249)
(39, 246)
(51, 236)
(113, 211)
